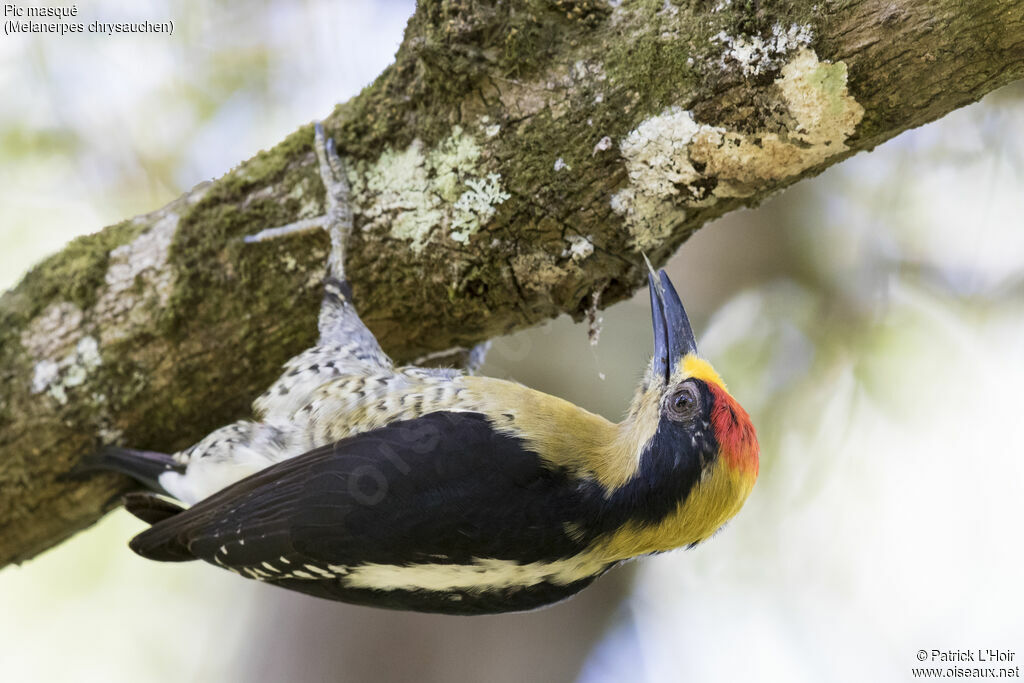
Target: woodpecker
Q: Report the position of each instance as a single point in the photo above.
(436, 490)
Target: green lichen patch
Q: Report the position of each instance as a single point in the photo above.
(830, 81)
(476, 206)
(419, 193)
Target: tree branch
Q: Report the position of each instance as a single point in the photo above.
(514, 160)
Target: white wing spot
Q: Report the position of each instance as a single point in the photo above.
(318, 570)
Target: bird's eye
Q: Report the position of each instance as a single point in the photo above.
(684, 404)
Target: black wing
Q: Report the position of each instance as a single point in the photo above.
(443, 488)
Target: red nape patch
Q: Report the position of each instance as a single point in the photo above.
(737, 441)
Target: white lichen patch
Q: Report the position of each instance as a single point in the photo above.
(146, 253)
(137, 273)
(579, 247)
(660, 172)
(602, 145)
(475, 207)
(53, 330)
(395, 192)
(755, 54)
(673, 162)
(56, 377)
(414, 191)
(45, 374)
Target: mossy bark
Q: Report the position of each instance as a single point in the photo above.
(502, 130)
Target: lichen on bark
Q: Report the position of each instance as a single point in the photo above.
(506, 168)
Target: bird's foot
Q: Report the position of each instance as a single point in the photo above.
(337, 220)
(458, 356)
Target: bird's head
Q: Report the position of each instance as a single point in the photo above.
(694, 406)
(693, 448)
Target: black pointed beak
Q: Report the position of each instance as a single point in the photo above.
(673, 337)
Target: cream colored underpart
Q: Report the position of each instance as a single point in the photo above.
(481, 575)
(353, 404)
(322, 404)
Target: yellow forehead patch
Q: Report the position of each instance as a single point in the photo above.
(698, 368)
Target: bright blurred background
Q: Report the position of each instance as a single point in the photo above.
(871, 320)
